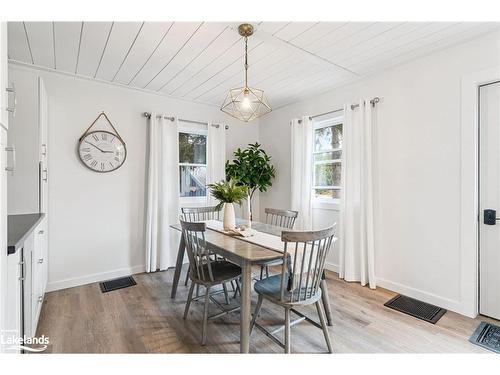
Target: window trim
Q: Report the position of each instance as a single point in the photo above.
(202, 129)
(318, 202)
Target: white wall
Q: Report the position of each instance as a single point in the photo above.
(96, 220)
(417, 172)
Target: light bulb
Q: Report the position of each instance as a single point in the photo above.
(245, 103)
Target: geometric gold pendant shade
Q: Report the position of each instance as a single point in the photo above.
(246, 103)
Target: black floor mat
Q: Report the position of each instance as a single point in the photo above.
(487, 336)
(122, 282)
(418, 309)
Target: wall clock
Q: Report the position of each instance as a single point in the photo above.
(102, 151)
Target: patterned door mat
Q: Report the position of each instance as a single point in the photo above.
(487, 336)
(122, 282)
(414, 307)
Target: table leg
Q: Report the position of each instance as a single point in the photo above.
(246, 286)
(326, 302)
(178, 266)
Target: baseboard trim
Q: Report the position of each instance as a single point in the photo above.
(446, 303)
(421, 295)
(93, 278)
(332, 267)
(443, 302)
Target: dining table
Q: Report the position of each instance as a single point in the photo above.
(239, 250)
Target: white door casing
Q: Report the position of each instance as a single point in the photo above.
(467, 304)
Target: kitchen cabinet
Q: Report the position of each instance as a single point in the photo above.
(3, 233)
(7, 91)
(13, 327)
(23, 200)
(28, 185)
(4, 119)
(39, 274)
(26, 273)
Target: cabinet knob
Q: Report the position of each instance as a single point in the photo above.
(41, 232)
(40, 298)
(40, 260)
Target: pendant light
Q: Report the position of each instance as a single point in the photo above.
(245, 103)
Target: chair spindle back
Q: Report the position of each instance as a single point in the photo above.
(200, 260)
(281, 218)
(200, 213)
(304, 257)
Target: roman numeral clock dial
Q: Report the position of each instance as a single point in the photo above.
(102, 151)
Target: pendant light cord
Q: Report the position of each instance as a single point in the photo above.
(246, 61)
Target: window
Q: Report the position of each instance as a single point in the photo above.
(192, 161)
(327, 155)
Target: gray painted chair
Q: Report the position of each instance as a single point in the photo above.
(298, 284)
(200, 213)
(281, 218)
(206, 270)
(193, 214)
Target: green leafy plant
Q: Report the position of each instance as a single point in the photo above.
(252, 168)
(228, 192)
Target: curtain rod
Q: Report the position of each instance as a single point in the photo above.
(148, 115)
(171, 118)
(374, 101)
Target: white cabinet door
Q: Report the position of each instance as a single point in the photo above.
(43, 118)
(43, 144)
(3, 234)
(28, 292)
(4, 81)
(39, 272)
(14, 319)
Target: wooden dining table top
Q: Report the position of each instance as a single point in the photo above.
(238, 247)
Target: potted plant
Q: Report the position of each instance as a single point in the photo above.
(228, 193)
(252, 168)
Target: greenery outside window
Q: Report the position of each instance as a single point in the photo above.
(327, 159)
(192, 162)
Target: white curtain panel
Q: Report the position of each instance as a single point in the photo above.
(357, 245)
(216, 153)
(301, 173)
(162, 206)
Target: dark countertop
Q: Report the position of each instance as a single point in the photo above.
(19, 227)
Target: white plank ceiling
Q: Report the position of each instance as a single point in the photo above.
(200, 61)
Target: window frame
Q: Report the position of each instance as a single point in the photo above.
(326, 121)
(199, 129)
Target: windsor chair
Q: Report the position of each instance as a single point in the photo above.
(206, 269)
(299, 283)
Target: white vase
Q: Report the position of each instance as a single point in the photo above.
(229, 222)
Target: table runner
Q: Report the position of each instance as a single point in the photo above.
(266, 240)
(273, 242)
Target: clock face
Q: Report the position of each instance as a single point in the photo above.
(102, 151)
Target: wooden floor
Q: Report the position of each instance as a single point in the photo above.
(144, 319)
